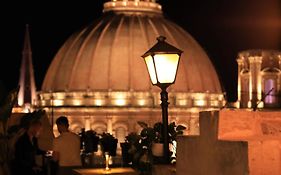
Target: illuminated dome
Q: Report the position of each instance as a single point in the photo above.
(101, 64)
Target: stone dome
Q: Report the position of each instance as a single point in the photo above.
(105, 56)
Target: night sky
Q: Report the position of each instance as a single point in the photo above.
(222, 28)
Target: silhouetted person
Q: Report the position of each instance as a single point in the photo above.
(66, 147)
(26, 149)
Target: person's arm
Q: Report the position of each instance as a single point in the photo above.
(38, 150)
(22, 156)
(56, 154)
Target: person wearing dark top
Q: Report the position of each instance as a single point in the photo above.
(26, 149)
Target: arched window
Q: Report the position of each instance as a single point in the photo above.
(120, 134)
(270, 87)
(99, 127)
(269, 91)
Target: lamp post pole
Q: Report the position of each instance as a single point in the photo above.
(165, 134)
(162, 62)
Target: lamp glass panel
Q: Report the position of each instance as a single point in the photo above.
(166, 67)
(151, 69)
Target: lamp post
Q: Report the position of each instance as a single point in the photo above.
(162, 62)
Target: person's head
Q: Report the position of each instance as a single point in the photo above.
(34, 128)
(62, 124)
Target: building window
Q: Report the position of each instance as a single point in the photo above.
(269, 91)
(120, 134)
(100, 130)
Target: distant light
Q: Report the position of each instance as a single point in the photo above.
(77, 102)
(141, 102)
(214, 103)
(57, 102)
(249, 105)
(200, 102)
(98, 102)
(182, 102)
(120, 102)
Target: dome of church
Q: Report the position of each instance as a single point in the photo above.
(103, 60)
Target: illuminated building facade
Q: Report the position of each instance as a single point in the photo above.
(99, 80)
(259, 79)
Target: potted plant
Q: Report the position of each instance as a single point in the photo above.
(108, 144)
(157, 146)
(129, 147)
(155, 137)
(89, 140)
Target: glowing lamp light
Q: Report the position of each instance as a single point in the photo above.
(162, 62)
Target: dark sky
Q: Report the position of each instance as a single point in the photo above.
(222, 28)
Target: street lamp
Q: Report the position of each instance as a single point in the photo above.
(162, 62)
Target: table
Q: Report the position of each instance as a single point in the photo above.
(97, 171)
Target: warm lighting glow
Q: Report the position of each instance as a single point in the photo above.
(77, 102)
(120, 102)
(259, 88)
(166, 67)
(249, 105)
(214, 103)
(162, 68)
(107, 161)
(151, 69)
(162, 62)
(141, 102)
(199, 102)
(98, 102)
(182, 102)
(260, 105)
(57, 102)
(87, 124)
(102, 171)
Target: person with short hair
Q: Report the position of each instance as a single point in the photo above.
(26, 149)
(66, 147)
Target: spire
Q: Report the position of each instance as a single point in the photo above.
(27, 92)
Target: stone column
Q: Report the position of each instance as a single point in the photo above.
(109, 124)
(194, 125)
(255, 93)
(131, 124)
(240, 67)
(87, 123)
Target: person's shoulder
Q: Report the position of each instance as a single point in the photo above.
(57, 139)
(73, 134)
(22, 138)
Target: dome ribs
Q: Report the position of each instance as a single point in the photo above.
(181, 67)
(148, 45)
(131, 57)
(48, 83)
(106, 57)
(113, 59)
(65, 61)
(162, 30)
(78, 58)
(188, 61)
(94, 57)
